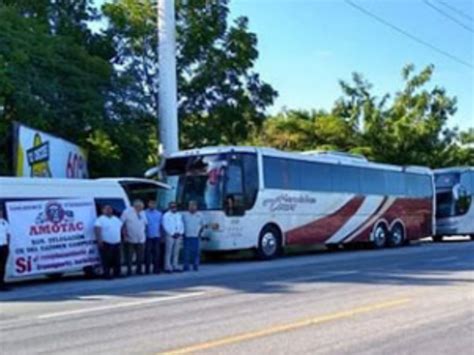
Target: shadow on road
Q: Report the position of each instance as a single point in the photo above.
(425, 264)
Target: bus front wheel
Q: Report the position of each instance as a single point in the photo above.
(437, 238)
(269, 245)
(472, 237)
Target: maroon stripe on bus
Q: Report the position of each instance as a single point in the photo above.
(414, 214)
(322, 229)
(376, 212)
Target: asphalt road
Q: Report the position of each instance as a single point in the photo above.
(412, 300)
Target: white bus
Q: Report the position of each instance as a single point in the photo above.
(454, 202)
(266, 199)
(118, 193)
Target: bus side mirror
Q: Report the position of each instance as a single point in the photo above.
(462, 198)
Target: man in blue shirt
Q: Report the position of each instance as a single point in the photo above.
(153, 238)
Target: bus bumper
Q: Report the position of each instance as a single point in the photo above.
(449, 226)
(217, 243)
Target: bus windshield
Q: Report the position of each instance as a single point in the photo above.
(453, 197)
(198, 178)
(446, 180)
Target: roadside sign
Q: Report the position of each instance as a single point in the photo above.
(39, 154)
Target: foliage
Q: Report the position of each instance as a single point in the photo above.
(100, 90)
(220, 97)
(408, 129)
(48, 81)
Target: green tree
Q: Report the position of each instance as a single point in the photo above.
(407, 128)
(301, 130)
(220, 97)
(462, 152)
(415, 128)
(49, 81)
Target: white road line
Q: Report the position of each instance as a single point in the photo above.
(119, 305)
(317, 277)
(98, 297)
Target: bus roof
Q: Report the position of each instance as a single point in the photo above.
(324, 157)
(11, 180)
(454, 169)
(104, 182)
(128, 181)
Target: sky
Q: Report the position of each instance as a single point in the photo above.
(307, 46)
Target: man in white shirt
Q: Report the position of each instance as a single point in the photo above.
(134, 231)
(174, 230)
(193, 227)
(108, 232)
(4, 249)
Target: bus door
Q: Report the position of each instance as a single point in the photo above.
(234, 198)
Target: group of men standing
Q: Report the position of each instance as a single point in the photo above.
(140, 231)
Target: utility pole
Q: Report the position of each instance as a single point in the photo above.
(167, 100)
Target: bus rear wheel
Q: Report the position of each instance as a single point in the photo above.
(397, 236)
(269, 244)
(437, 238)
(380, 237)
(472, 237)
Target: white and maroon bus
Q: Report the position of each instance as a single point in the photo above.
(266, 199)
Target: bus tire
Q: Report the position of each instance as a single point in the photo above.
(396, 236)
(269, 243)
(379, 236)
(437, 238)
(472, 237)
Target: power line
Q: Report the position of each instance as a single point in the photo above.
(452, 8)
(445, 14)
(409, 35)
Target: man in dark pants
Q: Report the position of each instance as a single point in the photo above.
(153, 238)
(4, 249)
(108, 232)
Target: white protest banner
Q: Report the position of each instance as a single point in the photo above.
(51, 236)
(39, 154)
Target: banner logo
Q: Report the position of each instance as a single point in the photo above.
(55, 219)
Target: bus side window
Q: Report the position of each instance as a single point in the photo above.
(466, 181)
(275, 173)
(118, 205)
(235, 180)
(251, 179)
(395, 183)
(346, 179)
